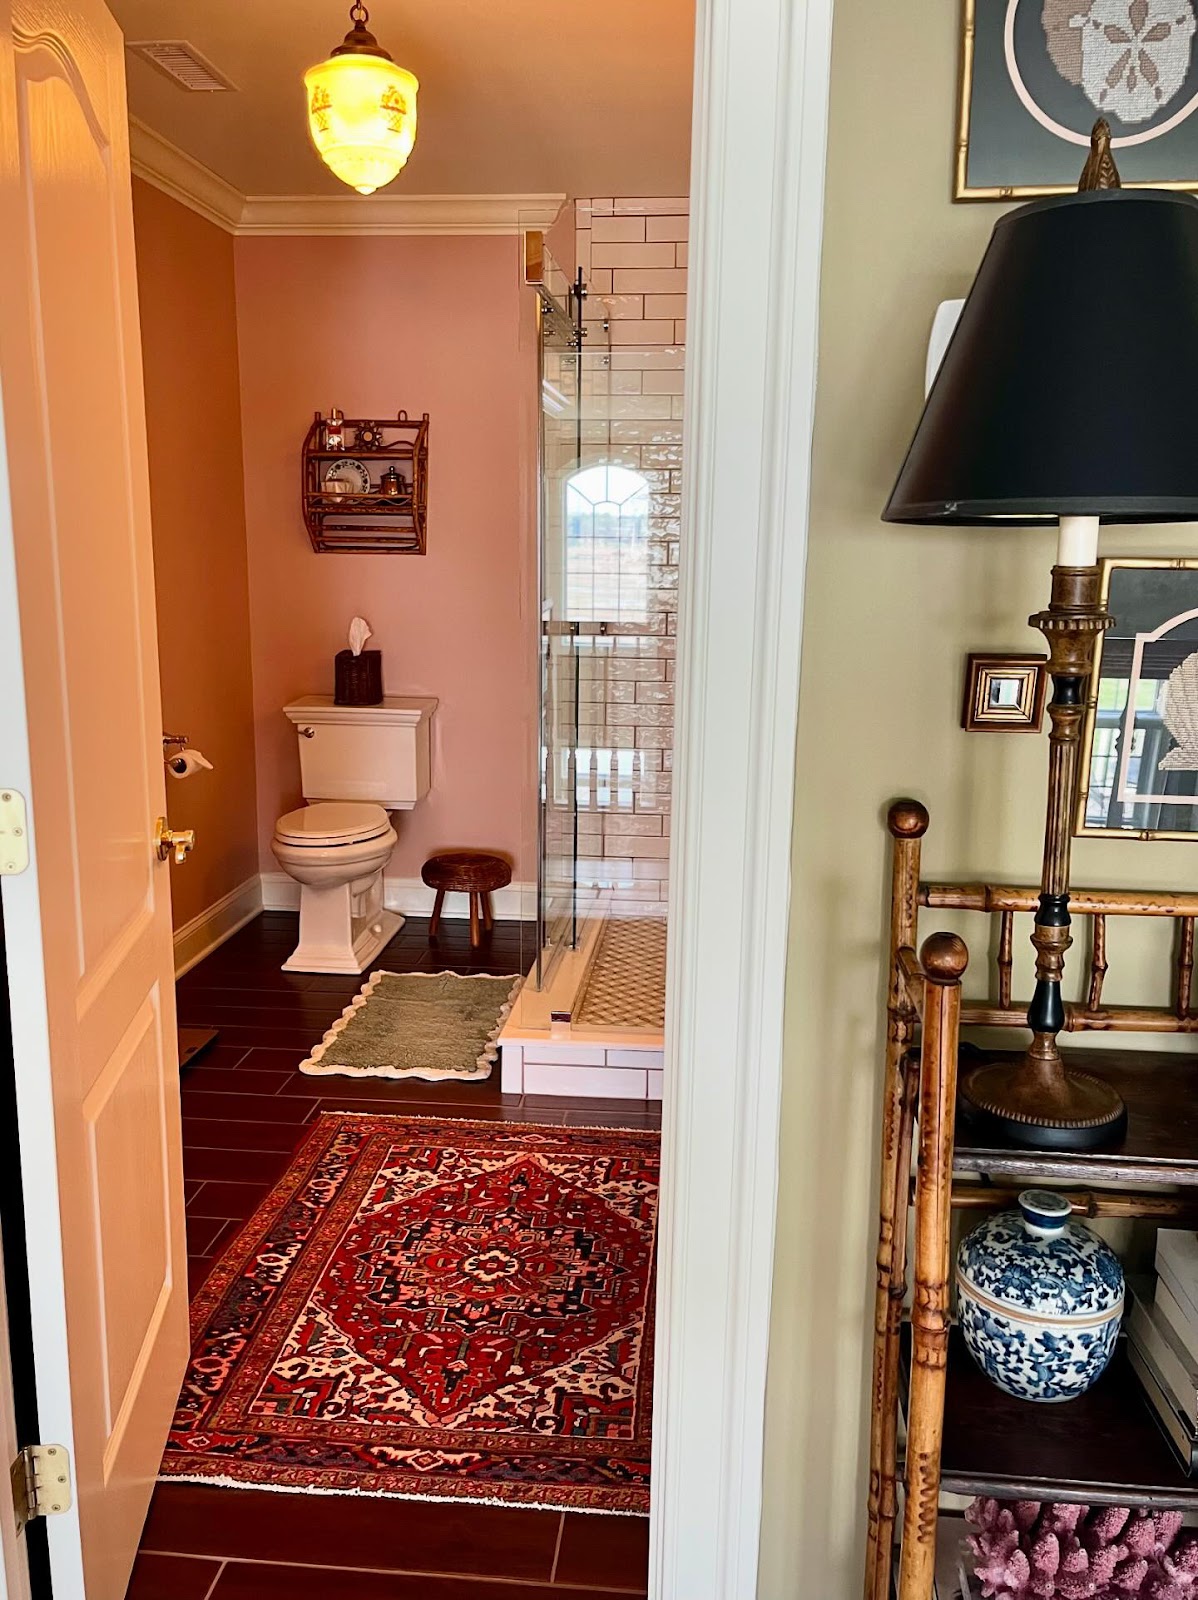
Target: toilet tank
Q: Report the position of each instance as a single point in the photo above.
(378, 753)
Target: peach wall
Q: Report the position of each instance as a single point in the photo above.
(372, 325)
(189, 338)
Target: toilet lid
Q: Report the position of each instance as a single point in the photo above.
(333, 822)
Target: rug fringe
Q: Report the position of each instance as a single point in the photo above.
(404, 1115)
(393, 1494)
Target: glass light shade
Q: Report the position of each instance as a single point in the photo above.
(362, 117)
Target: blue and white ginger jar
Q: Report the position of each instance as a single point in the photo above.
(1039, 1299)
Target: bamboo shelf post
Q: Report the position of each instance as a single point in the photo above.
(908, 822)
(943, 959)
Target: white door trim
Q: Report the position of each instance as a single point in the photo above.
(761, 93)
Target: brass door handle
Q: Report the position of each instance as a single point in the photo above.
(181, 841)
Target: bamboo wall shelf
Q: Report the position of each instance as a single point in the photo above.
(964, 1435)
(372, 522)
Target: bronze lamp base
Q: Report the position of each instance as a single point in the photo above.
(1043, 1103)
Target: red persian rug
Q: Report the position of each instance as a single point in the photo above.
(431, 1307)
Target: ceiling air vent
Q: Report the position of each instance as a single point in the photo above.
(181, 62)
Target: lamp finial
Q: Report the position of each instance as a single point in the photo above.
(1100, 171)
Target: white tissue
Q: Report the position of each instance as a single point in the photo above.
(186, 762)
(359, 631)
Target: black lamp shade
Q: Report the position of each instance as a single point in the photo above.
(1070, 387)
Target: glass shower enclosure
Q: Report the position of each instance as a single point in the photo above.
(607, 554)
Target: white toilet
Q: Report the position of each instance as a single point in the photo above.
(357, 763)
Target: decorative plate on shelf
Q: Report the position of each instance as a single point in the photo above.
(347, 476)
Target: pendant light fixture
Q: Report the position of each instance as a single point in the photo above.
(361, 109)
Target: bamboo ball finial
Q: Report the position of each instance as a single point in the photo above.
(907, 819)
(943, 958)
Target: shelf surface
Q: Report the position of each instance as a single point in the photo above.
(1104, 1448)
(1160, 1145)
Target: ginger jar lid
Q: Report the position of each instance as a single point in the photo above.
(1036, 1262)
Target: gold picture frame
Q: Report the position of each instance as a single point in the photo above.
(1126, 157)
(1102, 773)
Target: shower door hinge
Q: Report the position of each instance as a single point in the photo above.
(41, 1482)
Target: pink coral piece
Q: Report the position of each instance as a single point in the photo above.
(1027, 1551)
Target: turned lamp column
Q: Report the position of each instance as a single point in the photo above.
(1045, 1102)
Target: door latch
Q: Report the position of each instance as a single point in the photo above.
(41, 1482)
(180, 840)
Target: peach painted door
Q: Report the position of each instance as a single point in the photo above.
(87, 923)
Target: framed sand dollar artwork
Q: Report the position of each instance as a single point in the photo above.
(1036, 75)
(1139, 756)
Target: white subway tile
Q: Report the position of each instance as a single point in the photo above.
(634, 255)
(647, 1060)
(672, 228)
(675, 205)
(511, 1069)
(582, 250)
(665, 305)
(644, 406)
(630, 827)
(599, 282)
(615, 1083)
(656, 1085)
(680, 255)
(577, 1055)
(647, 360)
(643, 433)
(623, 230)
(615, 307)
(668, 382)
(656, 333)
(680, 333)
(629, 278)
(651, 871)
(601, 208)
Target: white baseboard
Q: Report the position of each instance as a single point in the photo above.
(412, 898)
(199, 937)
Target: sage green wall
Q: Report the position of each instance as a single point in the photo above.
(890, 615)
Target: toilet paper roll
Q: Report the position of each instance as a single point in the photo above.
(186, 762)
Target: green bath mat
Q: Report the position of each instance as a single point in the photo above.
(427, 1025)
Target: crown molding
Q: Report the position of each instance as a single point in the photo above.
(187, 180)
(265, 215)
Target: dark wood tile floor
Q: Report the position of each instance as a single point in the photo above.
(245, 1108)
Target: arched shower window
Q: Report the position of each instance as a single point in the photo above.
(607, 545)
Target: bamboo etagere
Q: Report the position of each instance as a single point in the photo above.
(963, 1435)
(375, 522)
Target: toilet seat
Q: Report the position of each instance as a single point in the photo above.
(332, 822)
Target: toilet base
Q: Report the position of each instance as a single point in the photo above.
(342, 929)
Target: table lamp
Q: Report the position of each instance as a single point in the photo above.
(1068, 394)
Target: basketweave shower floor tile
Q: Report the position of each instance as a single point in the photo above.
(627, 983)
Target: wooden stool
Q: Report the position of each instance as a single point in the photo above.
(470, 872)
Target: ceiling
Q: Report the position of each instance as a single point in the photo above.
(516, 96)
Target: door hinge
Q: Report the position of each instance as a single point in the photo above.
(41, 1482)
(14, 833)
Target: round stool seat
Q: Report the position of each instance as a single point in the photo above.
(466, 871)
(473, 873)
